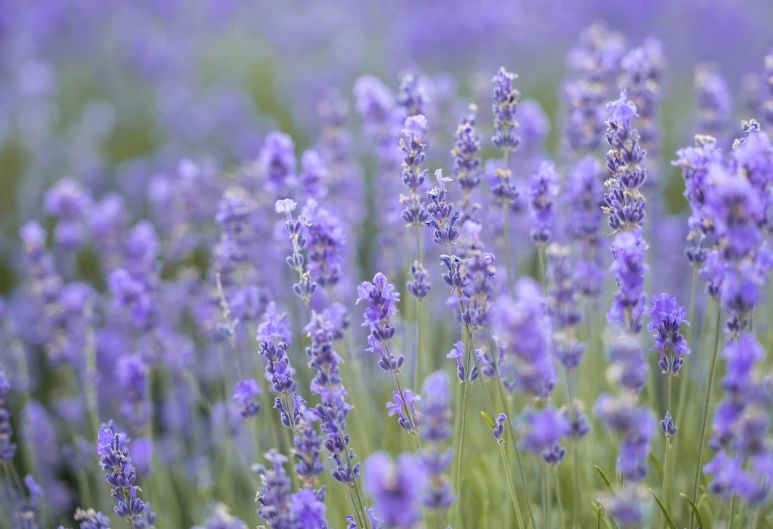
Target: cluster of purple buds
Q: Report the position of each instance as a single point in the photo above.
(695, 162)
(543, 188)
(396, 487)
(68, 201)
(642, 70)
(478, 288)
(418, 285)
(457, 354)
(741, 426)
(667, 316)
(715, 102)
(466, 167)
(443, 217)
(247, 397)
(634, 426)
(277, 164)
(313, 175)
(505, 107)
(629, 268)
(412, 97)
(381, 298)
(562, 306)
(7, 448)
(414, 146)
(133, 380)
(540, 432)
(595, 60)
(278, 369)
(624, 204)
(121, 476)
(307, 447)
(324, 235)
(436, 432)
(404, 406)
(91, 520)
(525, 335)
(305, 287)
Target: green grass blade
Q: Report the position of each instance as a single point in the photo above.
(663, 509)
(488, 420)
(694, 509)
(657, 465)
(604, 477)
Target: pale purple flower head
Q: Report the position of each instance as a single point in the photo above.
(666, 318)
(541, 430)
(247, 397)
(396, 488)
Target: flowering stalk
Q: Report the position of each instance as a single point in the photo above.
(505, 106)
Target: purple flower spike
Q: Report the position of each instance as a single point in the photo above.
(396, 488)
(666, 318)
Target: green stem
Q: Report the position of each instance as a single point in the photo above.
(684, 376)
(576, 459)
(558, 500)
(459, 457)
(733, 503)
(665, 478)
(541, 264)
(545, 516)
(706, 411)
(509, 478)
(522, 476)
(419, 365)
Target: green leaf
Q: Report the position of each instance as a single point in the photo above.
(598, 518)
(663, 509)
(657, 465)
(606, 481)
(694, 509)
(488, 420)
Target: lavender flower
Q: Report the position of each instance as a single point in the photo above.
(524, 332)
(276, 162)
(274, 497)
(562, 307)
(68, 201)
(307, 447)
(541, 431)
(132, 374)
(413, 145)
(305, 286)
(505, 106)
(466, 168)
(666, 318)
(91, 520)
(381, 298)
(396, 487)
(121, 476)
(324, 234)
(7, 448)
(443, 217)
(314, 175)
(412, 97)
(629, 268)
(715, 103)
(436, 432)
(543, 187)
(624, 203)
(247, 397)
(419, 284)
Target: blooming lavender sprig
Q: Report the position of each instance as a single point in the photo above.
(624, 202)
(381, 298)
(280, 509)
(741, 427)
(305, 286)
(585, 195)
(443, 219)
(418, 285)
(695, 162)
(524, 333)
(412, 97)
(436, 432)
(280, 373)
(133, 380)
(543, 188)
(666, 317)
(505, 106)
(466, 165)
(277, 164)
(7, 448)
(642, 71)
(541, 431)
(629, 268)
(413, 145)
(715, 103)
(594, 61)
(121, 476)
(247, 397)
(307, 447)
(68, 201)
(397, 488)
(562, 307)
(324, 234)
(457, 354)
(91, 520)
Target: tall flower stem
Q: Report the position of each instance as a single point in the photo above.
(545, 502)
(509, 478)
(733, 503)
(706, 402)
(518, 462)
(575, 459)
(683, 389)
(419, 365)
(459, 457)
(558, 500)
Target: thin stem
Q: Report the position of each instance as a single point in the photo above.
(545, 513)
(575, 458)
(733, 503)
(706, 411)
(665, 477)
(356, 510)
(541, 265)
(522, 476)
(459, 457)
(509, 478)
(558, 499)
(419, 365)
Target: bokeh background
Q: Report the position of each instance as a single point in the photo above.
(113, 93)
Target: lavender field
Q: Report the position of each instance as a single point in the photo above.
(386, 265)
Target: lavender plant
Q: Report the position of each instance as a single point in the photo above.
(192, 216)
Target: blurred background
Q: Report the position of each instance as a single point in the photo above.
(114, 94)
